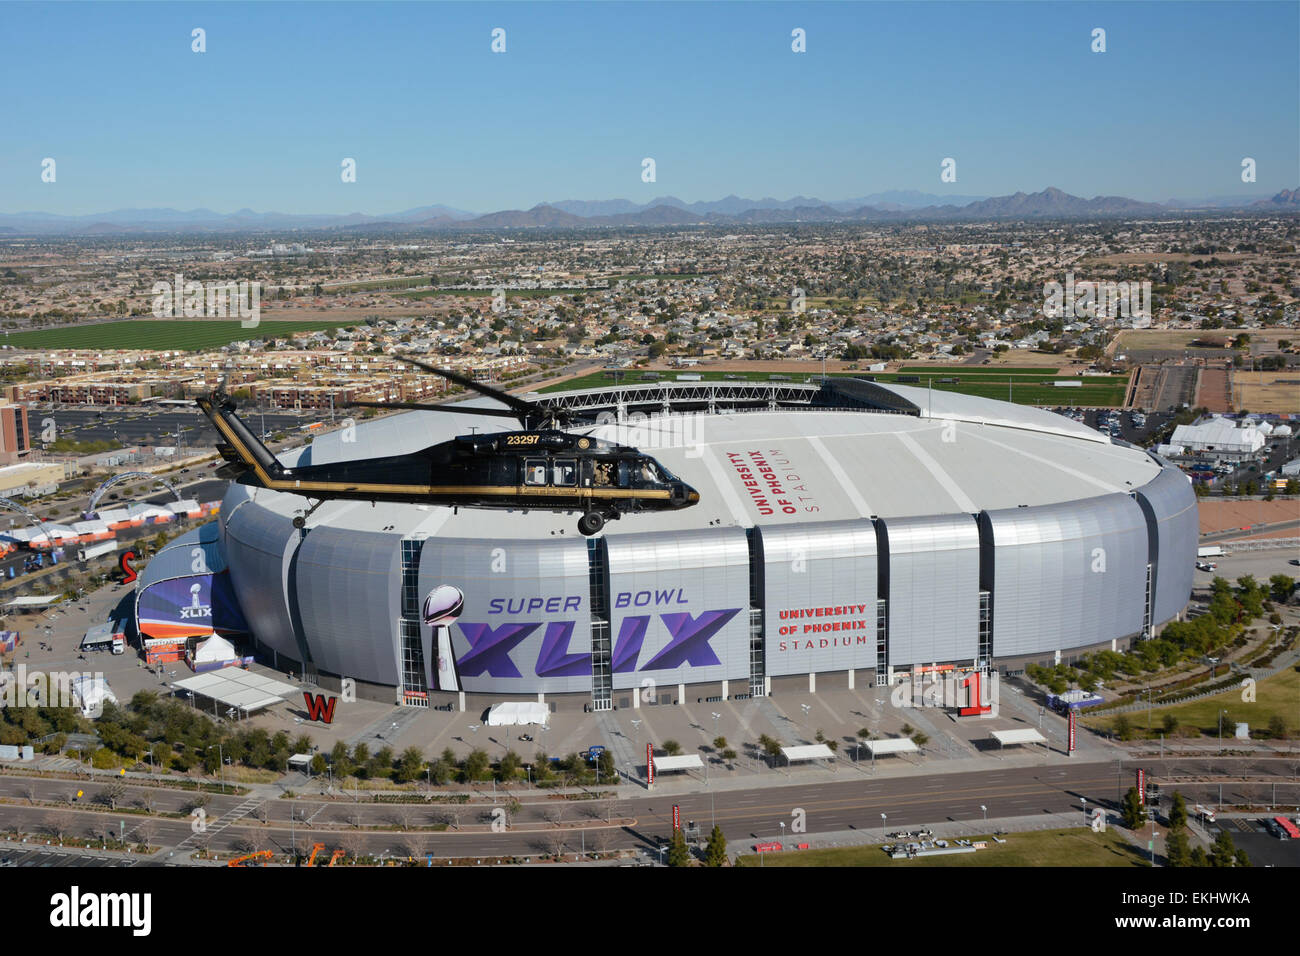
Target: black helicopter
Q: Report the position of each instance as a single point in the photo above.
(541, 466)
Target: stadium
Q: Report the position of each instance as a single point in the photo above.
(847, 531)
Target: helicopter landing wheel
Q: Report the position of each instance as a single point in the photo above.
(591, 523)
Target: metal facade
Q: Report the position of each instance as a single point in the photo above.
(348, 601)
(679, 606)
(1173, 505)
(526, 623)
(1067, 575)
(933, 589)
(258, 545)
(819, 596)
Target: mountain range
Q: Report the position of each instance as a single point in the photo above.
(891, 206)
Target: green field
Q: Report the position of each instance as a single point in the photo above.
(1073, 848)
(189, 335)
(1099, 391)
(1277, 695)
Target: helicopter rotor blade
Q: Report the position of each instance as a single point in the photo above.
(523, 407)
(422, 407)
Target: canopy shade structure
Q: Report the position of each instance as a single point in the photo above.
(683, 762)
(895, 745)
(808, 752)
(242, 690)
(1027, 735)
(513, 713)
(33, 601)
(101, 634)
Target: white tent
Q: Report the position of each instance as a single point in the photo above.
(1219, 435)
(90, 694)
(515, 713)
(215, 648)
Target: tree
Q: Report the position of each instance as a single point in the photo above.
(410, 765)
(509, 766)
(729, 756)
(672, 748)
(477, 764)
(1277, 727)
(715, 852)
(719, 743)
(678, 854)
(1123, 727)
(1177, 851)
(318, 764)
(340, 761)
(1178, 812)
(1224, 852)
(1134, 813)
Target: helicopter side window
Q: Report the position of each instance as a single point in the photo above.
(566, 472)
(534, 471)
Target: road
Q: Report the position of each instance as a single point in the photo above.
(644, 820)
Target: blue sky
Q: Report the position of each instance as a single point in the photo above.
(711, 91)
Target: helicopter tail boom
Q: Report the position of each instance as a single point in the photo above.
(241, 449)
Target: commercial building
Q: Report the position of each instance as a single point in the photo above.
(15, 437)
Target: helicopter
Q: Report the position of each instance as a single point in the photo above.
(539, 466)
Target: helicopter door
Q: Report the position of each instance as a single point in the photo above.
(587, 470)
(535, 471)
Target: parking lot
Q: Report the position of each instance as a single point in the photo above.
(57, 856)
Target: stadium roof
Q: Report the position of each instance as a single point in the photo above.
(962, 455)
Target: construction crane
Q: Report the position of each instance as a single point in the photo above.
(334, 858)
(315, 848)
(240, 860)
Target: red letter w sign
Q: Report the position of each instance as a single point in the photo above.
(318, 708)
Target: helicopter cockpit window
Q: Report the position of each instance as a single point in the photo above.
(566, 472)
(534, 471)
(650, 474)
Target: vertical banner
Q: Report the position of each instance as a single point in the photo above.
(677, 816)
(1142, 786)
(649, 764)
(1071, 722)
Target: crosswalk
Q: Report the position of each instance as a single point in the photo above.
(212, 829)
